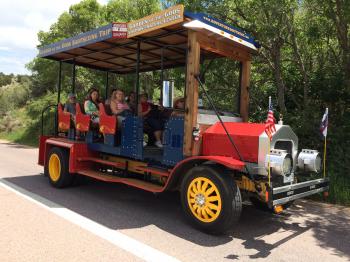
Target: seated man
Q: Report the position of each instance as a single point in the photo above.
(151, 119)
(70, 105)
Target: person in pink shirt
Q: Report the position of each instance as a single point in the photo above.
(119, 107)
(118, 104)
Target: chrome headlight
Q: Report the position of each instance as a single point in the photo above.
(309, 160)
(281, 163)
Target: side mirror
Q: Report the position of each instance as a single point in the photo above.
(168, 93)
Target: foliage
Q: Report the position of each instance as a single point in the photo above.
(304, 64)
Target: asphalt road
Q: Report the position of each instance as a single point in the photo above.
(96, 222)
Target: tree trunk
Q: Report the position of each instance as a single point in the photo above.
(276, 59)
(300, 63)
(342, 25)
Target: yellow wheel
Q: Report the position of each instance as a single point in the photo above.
(54, 167)
(204, 199)
(211, 199)
(57, 167)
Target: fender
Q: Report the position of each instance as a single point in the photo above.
(76, 150)
(182, 167)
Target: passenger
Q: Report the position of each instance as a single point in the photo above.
(70, 105)
(91, 105)
(108, 100)
(153, 122)
(119, 107)
(179, 106)
(131, 100)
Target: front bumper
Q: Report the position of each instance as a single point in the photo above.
(284, 194)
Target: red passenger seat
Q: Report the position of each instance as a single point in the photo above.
(63, 118)
(82, 121)
(108, 123)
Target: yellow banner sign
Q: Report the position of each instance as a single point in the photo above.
(170, 16)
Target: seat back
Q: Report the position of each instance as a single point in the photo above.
(108, 123)
(82, 121)
(63, 118)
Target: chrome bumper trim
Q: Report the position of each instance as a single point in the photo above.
(282, 189)
(297, 196)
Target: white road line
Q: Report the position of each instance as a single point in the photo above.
(129, 244)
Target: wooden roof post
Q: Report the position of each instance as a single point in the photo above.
(245, 79)
(191, 105)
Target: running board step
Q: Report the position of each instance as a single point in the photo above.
(128, 181)
(152, 170)
(101, 161)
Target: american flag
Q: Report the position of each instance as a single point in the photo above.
(270, 128)
(324, 123)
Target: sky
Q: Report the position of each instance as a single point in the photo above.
(20, 21)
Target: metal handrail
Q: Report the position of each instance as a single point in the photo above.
(42, 117)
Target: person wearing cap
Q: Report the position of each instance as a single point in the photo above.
(70, 105)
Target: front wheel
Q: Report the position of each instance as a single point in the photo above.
(211, 200)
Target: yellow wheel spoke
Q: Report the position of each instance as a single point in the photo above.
(205, 186)
(192, 194)
(199, 186)
(213, 198)
(199, 212)
(204, 214)
(209, 191)
(212, 206)
(209, 212)
(192, 201)
(194, 189)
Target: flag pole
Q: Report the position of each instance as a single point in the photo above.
(268, 163)
(324, 156)
(269, 149)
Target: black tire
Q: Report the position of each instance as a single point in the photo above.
(229, 194)
(58, 177)
(264, 207)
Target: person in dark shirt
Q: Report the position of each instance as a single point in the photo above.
(151, 119)
(70, 105)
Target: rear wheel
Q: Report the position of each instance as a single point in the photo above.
(211, 201)
(57, 168)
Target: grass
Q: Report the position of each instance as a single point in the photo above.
(21, 136)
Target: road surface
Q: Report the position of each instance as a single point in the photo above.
(108, 222)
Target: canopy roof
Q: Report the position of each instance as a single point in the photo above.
(114, 47)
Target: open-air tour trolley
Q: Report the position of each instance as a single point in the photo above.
(213, 159)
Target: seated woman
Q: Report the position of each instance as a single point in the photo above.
(108, 101)
(119, 107)
(150, 119)
(91, 105)
(179, 106)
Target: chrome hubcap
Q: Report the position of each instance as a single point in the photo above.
(200, 200)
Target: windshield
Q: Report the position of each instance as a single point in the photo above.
(224, 91)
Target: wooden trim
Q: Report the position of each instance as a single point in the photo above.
(191, 104)
(245, 81)
(221, 47)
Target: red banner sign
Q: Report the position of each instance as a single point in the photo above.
(120, 30)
